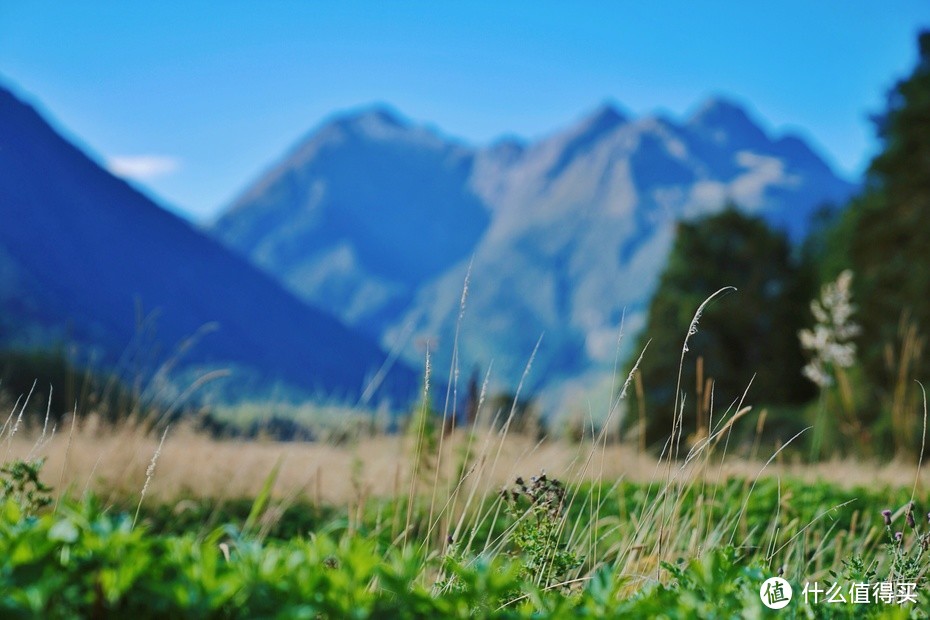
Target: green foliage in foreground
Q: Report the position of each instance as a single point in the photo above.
(81, 562)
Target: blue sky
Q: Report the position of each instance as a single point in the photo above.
(195, 99)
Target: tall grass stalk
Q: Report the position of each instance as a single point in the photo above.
(451, 398)
(149, 474)
(19, 419)
(64, 463)
(678, 412)
(420, 422)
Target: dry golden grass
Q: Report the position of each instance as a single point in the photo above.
(113, 463)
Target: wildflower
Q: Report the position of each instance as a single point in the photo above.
(887, 514)
(898, 537)
(830, 341)
(910, 519)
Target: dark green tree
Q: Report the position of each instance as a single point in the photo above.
(888, 231)
(882, 236)
(750, 331)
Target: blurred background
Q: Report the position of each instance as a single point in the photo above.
(302, 214)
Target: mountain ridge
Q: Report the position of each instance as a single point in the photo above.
(85, 248)
(572, 228)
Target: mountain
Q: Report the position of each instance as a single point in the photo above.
(563, 236)
(82, 253)
(360, 215)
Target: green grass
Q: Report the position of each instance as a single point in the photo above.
(546, 550)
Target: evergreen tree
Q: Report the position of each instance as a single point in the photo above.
(751, 331)
(889, 230)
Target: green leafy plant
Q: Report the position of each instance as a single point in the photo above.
(907, 550)
(19, 482)
(538, 510)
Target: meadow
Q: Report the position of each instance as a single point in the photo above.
(124, 509)
(130, 520)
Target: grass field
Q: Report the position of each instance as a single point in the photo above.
(483, 523)
(105, 461)
(137, 517)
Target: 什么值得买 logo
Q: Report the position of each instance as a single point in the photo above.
(775, 593)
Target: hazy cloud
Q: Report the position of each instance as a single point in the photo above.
(142, 167)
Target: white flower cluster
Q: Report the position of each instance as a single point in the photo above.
(830, 340)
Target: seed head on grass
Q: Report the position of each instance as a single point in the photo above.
(149, 473)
